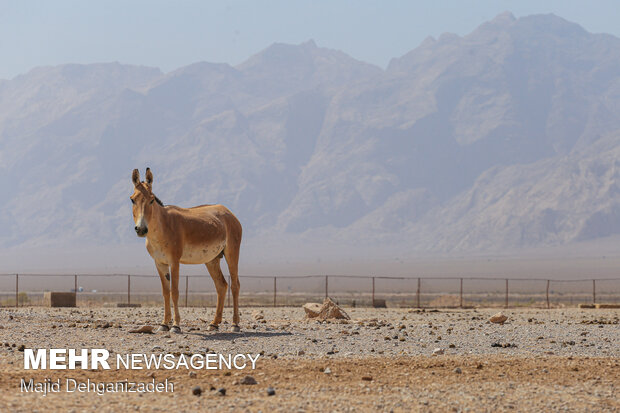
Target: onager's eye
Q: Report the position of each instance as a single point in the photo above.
(133, 201)
(152, 200)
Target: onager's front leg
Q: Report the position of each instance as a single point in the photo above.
(174, 294)
(164, 277)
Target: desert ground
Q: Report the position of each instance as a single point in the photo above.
(380, 360)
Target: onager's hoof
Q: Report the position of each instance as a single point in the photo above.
(163, 327)
(176, 329)
(235, 328)
(213, 327)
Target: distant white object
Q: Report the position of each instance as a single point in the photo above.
(93, 291)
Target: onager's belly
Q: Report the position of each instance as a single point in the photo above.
(200, 254)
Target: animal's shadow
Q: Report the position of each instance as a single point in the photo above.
(232, 336)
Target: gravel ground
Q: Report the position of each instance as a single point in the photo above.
(539, 360)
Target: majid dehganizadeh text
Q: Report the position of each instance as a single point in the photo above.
(71, 359)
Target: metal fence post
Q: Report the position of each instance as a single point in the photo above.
(417, 294)
(75, 283)
(593, 291)
(16, 290)
(275, 289)
(548, 282)
(506, 304)
(186, 288)
(326, 283)
(461, 293)
(128, 288)
(373, 291)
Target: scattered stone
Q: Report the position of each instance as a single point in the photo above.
(21, 347)
(301, 352)
(249, 380)
(498, 318)
(143, 330)
(503, 345)
(271, 391)
(327, 370)
(367, 378)
(457, 370)
(258, 315)
(438, 351)
(196, 391)
(221, 392)
(192, 374)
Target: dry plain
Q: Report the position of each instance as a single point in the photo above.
(380, 360)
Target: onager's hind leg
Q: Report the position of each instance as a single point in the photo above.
(174, 294)
(221, 286)
(163, 271)
(232, 259)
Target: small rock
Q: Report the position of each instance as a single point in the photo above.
(367, 378)
(498, 318)
(438, 351)
(196, 391)
(301, 353)
(21, 347)
(327, 370)
(221, 392)
(271, 391)
(192, 374)
(258, 315)
(457, 370)
(248, 380)
(143, 330)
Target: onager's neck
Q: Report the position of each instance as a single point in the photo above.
(156, 227)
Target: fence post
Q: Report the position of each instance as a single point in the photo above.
(16, 290)
(75, 283)
(186, 288)
(461, 293)
(128, 288)
(326, 283)
(417, 294)
(506, 304)
(593, 291)
(373, 291)
(548, 282)
(275, 289)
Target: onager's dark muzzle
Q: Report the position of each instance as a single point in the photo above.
(141, 231)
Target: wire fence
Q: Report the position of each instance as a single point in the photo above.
(349, 290)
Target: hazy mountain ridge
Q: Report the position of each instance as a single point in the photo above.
(505, 138)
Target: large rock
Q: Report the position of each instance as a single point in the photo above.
(312, 309)
(59, 299)
(329, 310)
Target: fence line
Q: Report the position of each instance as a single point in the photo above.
(615, 295)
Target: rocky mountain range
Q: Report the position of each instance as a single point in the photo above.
(503, 139)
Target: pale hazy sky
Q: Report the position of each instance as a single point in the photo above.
(171, 34)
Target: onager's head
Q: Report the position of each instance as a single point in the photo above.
(142, 200)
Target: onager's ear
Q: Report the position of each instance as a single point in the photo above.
(149, 176)
(135, 177)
